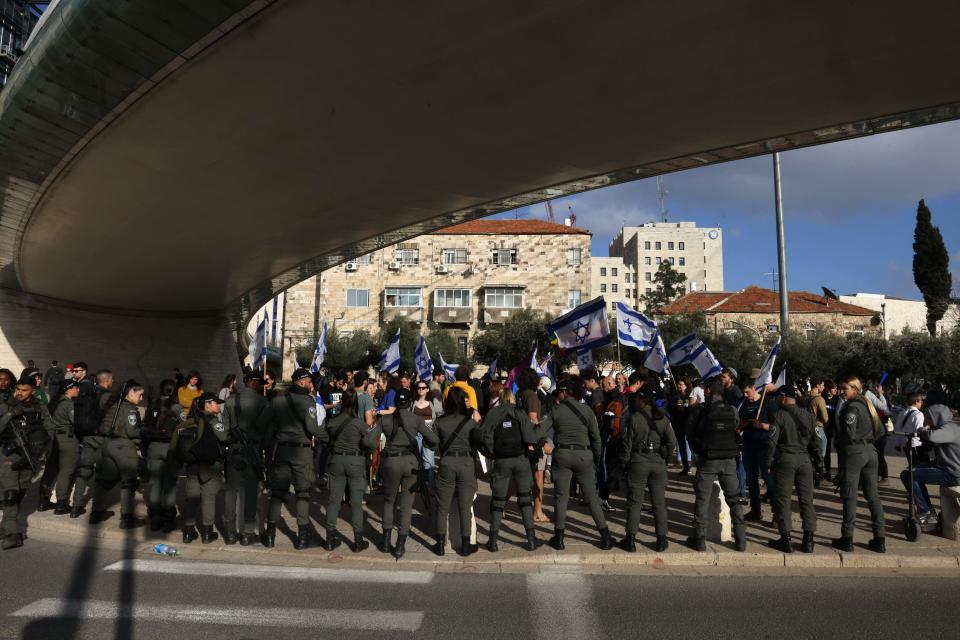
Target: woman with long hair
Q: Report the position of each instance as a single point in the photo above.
(190, 390)
(228, 386)
(457, 474)
(162, 418)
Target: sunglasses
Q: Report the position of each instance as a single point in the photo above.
(422, 388)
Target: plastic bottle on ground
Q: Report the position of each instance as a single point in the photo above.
(165, 549)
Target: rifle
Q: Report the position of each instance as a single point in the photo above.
(18, 426)
(251, 455)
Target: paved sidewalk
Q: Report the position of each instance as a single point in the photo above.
(929, 552)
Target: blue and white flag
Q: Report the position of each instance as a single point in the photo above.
(533, 361)
(320, 353)
(258, 346)
(584, 359)
(448, 369)
(546, 369)
(390, 359)
(422, 360)
(296, 363)
(766, 371)
(656, 359)
(781, 379)
(691, 350)
(584, 328)
(492, 371)
(633, 328)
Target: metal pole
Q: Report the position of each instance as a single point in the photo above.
(781, 249)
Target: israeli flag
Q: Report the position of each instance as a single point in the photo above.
(691, 350)
(492, 372)
(584, 359)
(546, 367)
(422, 360)
(320, 353)
(781, 379)
(533, 361)
(296, 363)
(633, 328)
(656, 359)
(766, 371)
(584, 328)
(390, 359)
(258, 346)
(448, 368)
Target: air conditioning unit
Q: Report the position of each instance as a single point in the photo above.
(442, 268)
(395, 265)
(352, 266)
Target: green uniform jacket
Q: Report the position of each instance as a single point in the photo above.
(530, 433)
(294, 418)
(854, 424)
(347, 435)
(249, 412)
(643, 428)
(402, 440)
(792, 431)
(122, 420)
(210, 420)
(446, 426)
(34, 411)
(61, 422)
(573, 424)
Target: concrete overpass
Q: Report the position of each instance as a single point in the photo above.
(168, 167)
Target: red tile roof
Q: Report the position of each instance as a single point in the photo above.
(510, 227)
(758, 300)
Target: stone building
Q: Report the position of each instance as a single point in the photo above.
(899, 315)
(758, 310)
(462, 279)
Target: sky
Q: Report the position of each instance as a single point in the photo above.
(849, 210)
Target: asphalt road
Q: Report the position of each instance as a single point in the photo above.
(53, 591)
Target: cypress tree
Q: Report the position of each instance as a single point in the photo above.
(931, 267)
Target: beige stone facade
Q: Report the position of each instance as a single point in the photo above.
(614, 280)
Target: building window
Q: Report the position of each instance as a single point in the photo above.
(503, 257)
(402, 297)
(407, 256)
(647, 261)
(358, 297)
(603, 271)
(810, 333)
(669, 246)
(462, 345)
(855, 334)
(451, 298)
(648, 276)
(659, 259)
(646, 245)
(773, 328)
(503, 298)
(573, 257)
(649, 290)
(613, 306)
(683, 261)
(364, 259)
(613, 288)
(454, 256)
(671, 260)
(573, 298)
(731, 332)
(603, 288)
(658, 246)
(613, 272)
(680, 246)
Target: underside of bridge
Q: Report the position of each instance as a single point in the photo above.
(188, 160)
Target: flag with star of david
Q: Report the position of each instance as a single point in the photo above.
(691, 350)
(422, 360)
(583, 328)
(633, 328)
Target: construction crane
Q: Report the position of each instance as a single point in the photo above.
(573, 216)
(549, 206)
(662, 195)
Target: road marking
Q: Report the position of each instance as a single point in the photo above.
(351, 619)
(562, 606)
(185, 567)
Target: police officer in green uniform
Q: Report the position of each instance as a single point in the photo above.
(246, 412)
(648, 442)
(575, 457)
(511, 438)
(457, 472)
(792, 438)
(857, 427)
(399, 467)
(192, 444)
(164, 416)
(63, 459)
(349, 441)
(120, 457)
(717, 445)
(290, 437)
(89, 408)
(23, 409)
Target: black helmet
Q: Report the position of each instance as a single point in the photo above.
(404, 399)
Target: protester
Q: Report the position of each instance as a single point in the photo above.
(944, 434)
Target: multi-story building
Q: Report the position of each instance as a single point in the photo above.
(898, 315)
(613, 279)
(17, 20)
(462, 278)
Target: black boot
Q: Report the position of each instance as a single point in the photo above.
(531, 540)
(401, 547)
(131, 521)
(156, 520)
(45, 504)
(807, 545)
(190, 534)
(302, 540)
(843, 544)
(208, 535)
(754, 515)
(77, 511)
(332, 541)
(782, 543)
(269, 537)
(62, 508)
(557, 540)
(697, 543)
(492, 545)
(169, 520)
(440, 547)
(247, 539)
(386, 546)
(629, 543)
(878, 545)
(96, 517)
(606, 540)
(740, 543)
(359, 544)
(662, 544)
(12, 541)
(230, 537)
(465, 547)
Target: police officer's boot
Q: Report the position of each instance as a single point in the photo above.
(156, 519)
(531, 540)
(782, 543)
(62, 508)
(208, 535)
(332, 541)
(440, 547)
(247, 539)
(697, 543)
(302, 540)
(130, 521)
(492, 545)
(466, 548)
(96, 517)
(740, 542)
(77, 511)
(385, 543)
(269, 537)
(44, 504)
(190, 534)
(878, 545)
(629, 543)
(843, 543)
(557, 540)
(12, 541)
(230, 537)
(754, 515)
(359, 543)
(606, 540)
(662, 544)
(169, 520)
(401, 547)
(807, 545)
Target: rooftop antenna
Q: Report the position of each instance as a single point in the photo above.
(773, 279)
(662, 195)
(573, 216)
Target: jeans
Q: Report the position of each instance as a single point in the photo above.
(822, 439)
(921, 478)
(754, 450)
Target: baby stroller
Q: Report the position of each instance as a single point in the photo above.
(914, 524)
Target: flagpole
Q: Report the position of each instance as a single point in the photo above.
(762, 396)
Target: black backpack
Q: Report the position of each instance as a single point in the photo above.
(507, 439)
(160, 421)
(721, 438)
(87, 414)
(192, 449)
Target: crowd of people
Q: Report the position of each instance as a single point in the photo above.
(76, 435)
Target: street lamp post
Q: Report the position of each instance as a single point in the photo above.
(781, 248)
